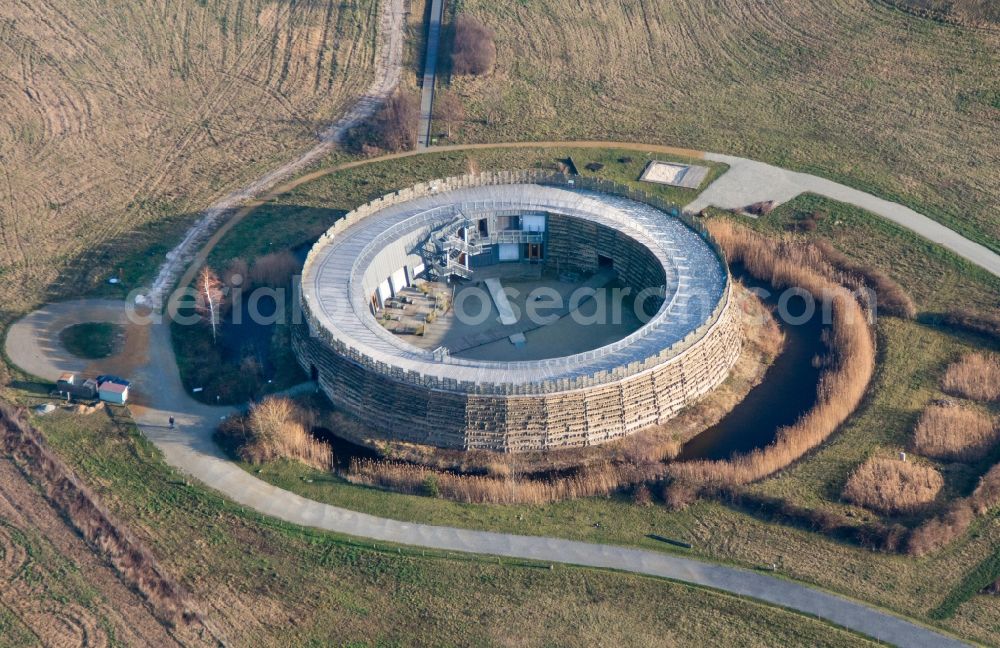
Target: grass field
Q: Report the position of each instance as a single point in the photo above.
(92, 339)
(121, 121)
(913, 357)
(265, 583)
(853, 90)
(309, 210)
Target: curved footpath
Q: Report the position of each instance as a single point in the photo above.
(746, 182)
(32, 343)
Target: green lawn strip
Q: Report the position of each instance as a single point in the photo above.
(986, 572)
(344, 589)
(935, 277)
(91, 340)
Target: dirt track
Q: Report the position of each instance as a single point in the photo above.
(387, 74)
(36, 546)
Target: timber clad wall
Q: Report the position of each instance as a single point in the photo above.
(512, 416)
(580, 417)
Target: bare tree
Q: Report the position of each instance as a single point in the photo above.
(448, 110)
(393, 128)
(473, 51)
(396, 123)
(208, 303)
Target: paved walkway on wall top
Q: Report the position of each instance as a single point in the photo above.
(33, 345)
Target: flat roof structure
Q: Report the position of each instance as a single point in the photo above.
(688, 176)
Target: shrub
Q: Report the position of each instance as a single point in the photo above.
(274, 429)
(274, 269)
(678, 495)
(987, 493)
(842, 385)
(968, 320)
(954, 432)
(975, 376)
(937, 532)
(474, 50)
(642, 496)
(393, 128)
(430, 486)
(893, 486)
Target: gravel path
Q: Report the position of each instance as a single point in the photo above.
(190, 449)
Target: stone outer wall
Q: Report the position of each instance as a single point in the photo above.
(566, 419)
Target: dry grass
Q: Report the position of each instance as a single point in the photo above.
(954, 432)
(277, 428)
(937, 532)
(975, 376)
(987, 493)
(392, 129)
(893, 486)
(602, 479)
(707, 75)
(129, 557)
(842, 385)
(119, 124)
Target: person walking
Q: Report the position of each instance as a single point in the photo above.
(171, 422)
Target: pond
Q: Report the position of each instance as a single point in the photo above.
(787, 391)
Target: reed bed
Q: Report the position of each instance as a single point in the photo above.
(955, 432)
(276, 428)
(976, 376)
(590, 481)
(937, 532)
(849, 369)
(893, 486)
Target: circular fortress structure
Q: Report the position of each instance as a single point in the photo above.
(500, 379)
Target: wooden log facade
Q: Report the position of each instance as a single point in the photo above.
(400, 402)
